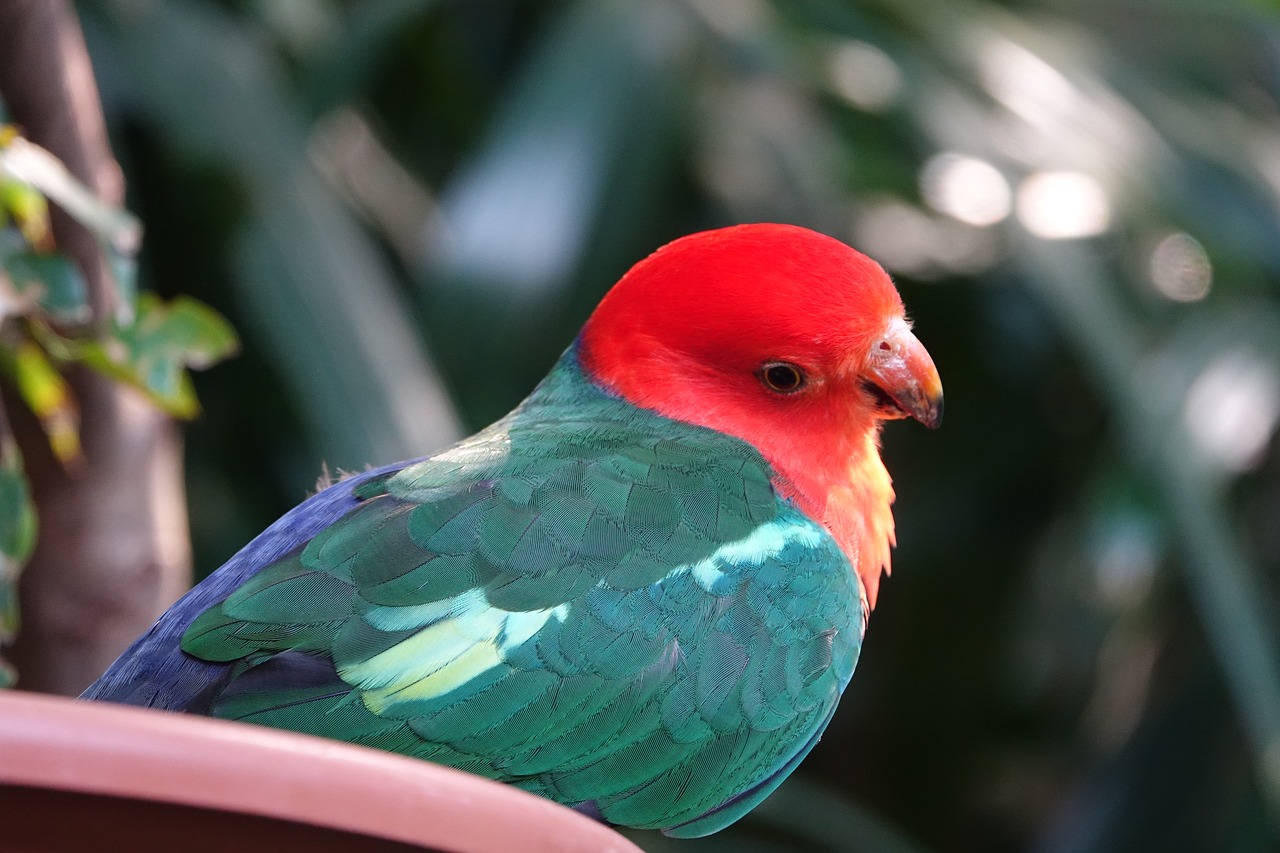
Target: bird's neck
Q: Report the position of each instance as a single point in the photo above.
(854, 501)
(840, 480)
(825, 460)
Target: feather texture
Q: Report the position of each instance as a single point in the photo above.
(628, 616)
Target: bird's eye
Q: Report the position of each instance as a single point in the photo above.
(782, 377)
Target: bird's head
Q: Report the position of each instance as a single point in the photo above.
(787, 339)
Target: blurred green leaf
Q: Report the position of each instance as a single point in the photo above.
(23, 203)
(17, 538)
(55, 281)
(184, 329)
(49, 397)
(154, 352)
(29, 163)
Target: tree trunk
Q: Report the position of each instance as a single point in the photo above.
(113, 550)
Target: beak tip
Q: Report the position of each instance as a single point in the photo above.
(933, 418)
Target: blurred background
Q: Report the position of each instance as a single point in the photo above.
(407, 208)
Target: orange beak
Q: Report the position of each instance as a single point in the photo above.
(900, 374)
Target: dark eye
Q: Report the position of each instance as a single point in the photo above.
(782, 377)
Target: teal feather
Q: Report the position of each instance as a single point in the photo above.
(587, 600)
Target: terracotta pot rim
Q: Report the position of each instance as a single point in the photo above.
(98, 748)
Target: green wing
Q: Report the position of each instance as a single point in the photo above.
(625, 616)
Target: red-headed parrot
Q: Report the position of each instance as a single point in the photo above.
(639, 594)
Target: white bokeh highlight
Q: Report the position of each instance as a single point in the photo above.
(1063, 205)
(966, 188)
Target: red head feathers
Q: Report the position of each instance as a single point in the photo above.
(787, 339)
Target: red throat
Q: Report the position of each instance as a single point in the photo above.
(687, 330)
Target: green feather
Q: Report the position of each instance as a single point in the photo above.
(587, 600)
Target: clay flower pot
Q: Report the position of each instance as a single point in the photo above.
(92, 776)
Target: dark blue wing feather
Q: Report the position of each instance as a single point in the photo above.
(154, 672)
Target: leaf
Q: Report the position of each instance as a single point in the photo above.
(30, 212)
(152, 353)
(17, 538)
(186, 325)
(49, 397)
(54, 280)
(30, 164)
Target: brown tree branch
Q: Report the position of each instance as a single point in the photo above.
(113, 550)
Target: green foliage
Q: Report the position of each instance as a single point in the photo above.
(153, 352)
(46, 327)
(17, 538)
(1078, 200)
(52, 281)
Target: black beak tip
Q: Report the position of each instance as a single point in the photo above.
(935, 415)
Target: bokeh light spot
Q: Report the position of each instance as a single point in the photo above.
(1026, 84)
(1180, 268)
(1063, 205)
(864, 75)
(966, 188)
(1232, 408)
(909, 240)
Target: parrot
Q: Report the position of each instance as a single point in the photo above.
(640, 594)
